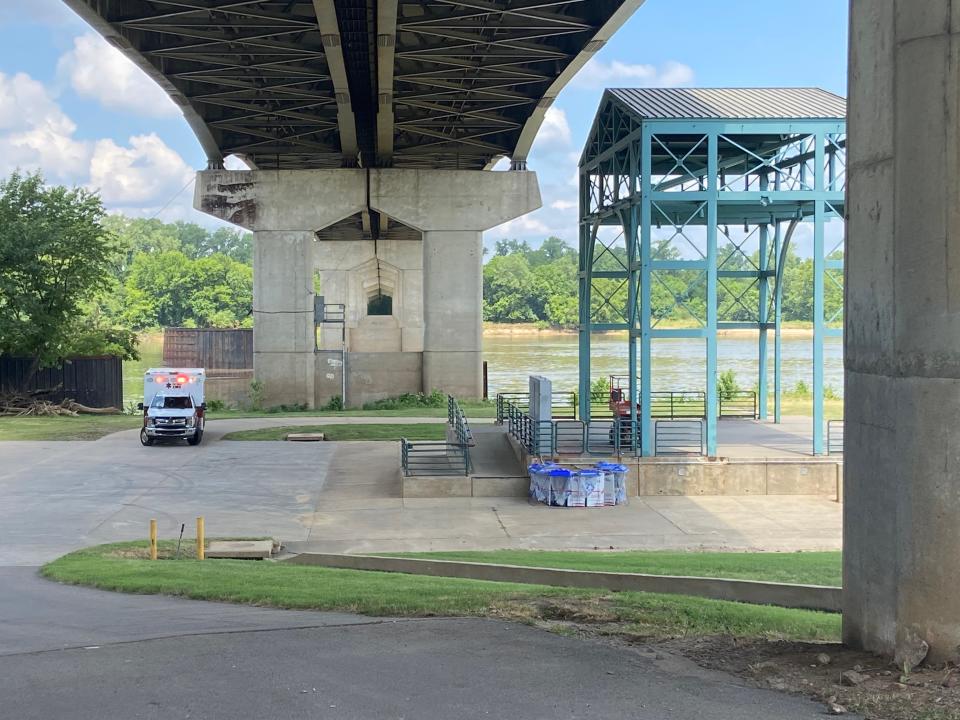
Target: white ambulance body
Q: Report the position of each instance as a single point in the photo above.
(173, 405)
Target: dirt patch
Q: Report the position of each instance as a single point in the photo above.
(843, 679)
(187, 550)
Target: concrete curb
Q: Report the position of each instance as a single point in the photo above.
(804, 597)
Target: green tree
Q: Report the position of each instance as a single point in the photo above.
(507, 289)
(510, 247)
(550, 250)
(169, 289)
(138, 235)
(56, 257)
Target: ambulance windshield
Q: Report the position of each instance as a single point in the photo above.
(172, 402)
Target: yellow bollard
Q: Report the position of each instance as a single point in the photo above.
(200, 538)
(153, 539)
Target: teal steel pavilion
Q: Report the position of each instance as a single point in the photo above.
(689, 201)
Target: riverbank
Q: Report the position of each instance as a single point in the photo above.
(491, 329)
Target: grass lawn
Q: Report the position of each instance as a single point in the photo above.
(93, 427)
(120, 567)
(809, 568)
(394, 431)
(803, 405)
(85, 427)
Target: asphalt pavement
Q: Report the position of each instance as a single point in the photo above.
(82, 654)
(77, 653)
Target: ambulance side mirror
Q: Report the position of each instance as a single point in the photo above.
(139, 406)
(203, 406)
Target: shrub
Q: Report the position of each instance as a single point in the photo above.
(256, 394)
(727, 385)
(295, 407)
(335, 404)
(216, 405)
(600, 386)
(410, 401)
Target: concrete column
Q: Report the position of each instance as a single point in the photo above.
(285, 208)
(902, 347)
(452, 208)
(453, 312)
(283, 339)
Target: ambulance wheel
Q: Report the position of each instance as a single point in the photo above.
(145, 439)
(195, 440)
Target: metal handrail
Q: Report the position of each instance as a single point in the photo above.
(433, 458)
(740, 403)
(834, 437)
(678, 437)
(563, 405)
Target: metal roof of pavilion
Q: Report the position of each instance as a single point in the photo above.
(731, 103)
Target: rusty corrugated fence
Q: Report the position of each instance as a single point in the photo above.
(210, 348)
(91, 381)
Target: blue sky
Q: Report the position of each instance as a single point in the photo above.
(71, 105)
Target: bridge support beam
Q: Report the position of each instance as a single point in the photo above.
(902, 425)
(284, 209)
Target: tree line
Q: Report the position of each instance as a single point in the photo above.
(75, 280)
(526, 285)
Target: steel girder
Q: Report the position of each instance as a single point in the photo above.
(330, 83)
(657, 202)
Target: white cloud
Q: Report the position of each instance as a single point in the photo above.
(555, 130)
(563, 204)
(96, 69)
(139, 177)
(35, 133)
(232, 162)
(521, 227)
(45, 12)
(597, 74)
(146, 171)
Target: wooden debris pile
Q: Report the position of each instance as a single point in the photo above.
(24, 406)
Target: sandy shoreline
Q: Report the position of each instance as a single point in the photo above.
(530, 329)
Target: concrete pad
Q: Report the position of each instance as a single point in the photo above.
(344, 497)
(240, 549)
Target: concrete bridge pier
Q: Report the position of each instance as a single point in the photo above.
(452, 209)
(437, 316)
(902, 354)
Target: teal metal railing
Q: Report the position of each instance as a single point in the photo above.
(441, 458)
(615, 436)
(834, 437)
(434, 458)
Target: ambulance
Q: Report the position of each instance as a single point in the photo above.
(173, 405)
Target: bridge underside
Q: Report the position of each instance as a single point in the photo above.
(347, 89)
(306, 84)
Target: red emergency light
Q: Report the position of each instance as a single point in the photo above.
(181, 379)
(160, 379)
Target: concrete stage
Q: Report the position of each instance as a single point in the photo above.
(754, 458)
(344, 497)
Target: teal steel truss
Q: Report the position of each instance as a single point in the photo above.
(685, 229)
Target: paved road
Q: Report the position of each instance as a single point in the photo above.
(336, 497)
(78, 653)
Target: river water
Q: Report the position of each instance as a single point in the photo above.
(678, 364)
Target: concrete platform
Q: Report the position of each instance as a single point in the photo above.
(364, 512)
(344, 497)
(305, 437)
(240, 549)
(759, 458)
